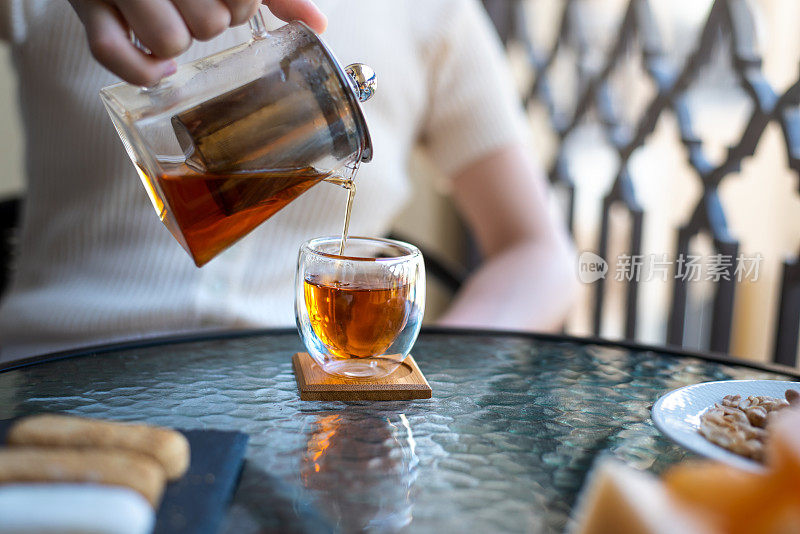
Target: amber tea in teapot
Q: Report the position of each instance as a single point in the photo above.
(211, 210)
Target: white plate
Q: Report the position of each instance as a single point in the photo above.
(677, 414)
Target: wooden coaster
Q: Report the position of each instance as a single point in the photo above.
(406, 383)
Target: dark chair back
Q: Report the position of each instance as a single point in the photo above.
(9, 215)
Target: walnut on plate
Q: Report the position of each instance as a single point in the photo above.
(740, 425)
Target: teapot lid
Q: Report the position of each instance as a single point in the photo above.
(359, 83)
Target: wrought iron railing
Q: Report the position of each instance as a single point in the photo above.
(728, 20)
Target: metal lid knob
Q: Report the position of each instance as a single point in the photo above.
(363, 80)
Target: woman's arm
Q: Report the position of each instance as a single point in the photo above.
(527, 280)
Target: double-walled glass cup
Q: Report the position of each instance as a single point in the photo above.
(359, 313)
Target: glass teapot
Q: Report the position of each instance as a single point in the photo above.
(230, 139)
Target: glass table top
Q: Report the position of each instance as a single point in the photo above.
(504, 445)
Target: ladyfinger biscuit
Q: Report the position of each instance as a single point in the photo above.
(168, 447)
(111, 467)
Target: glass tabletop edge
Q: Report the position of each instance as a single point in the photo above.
(171, 339)
(429, 330)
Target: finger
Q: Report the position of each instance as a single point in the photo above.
(204, 18)
(241, 10)
(110, 44)
(158, 25)
(303, 10)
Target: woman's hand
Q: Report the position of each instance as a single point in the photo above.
(167, 28)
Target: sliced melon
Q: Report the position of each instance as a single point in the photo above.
(622, 500)
(744, 502)
(783, 449)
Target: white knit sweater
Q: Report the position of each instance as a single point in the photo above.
(95, 264)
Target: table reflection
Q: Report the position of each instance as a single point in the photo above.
(362, 469)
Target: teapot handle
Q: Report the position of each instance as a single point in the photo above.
(257, 26)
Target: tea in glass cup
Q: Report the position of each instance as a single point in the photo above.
(359, 313)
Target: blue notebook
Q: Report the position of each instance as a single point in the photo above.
(196, 503)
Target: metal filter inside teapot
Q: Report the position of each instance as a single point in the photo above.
(290, 117)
